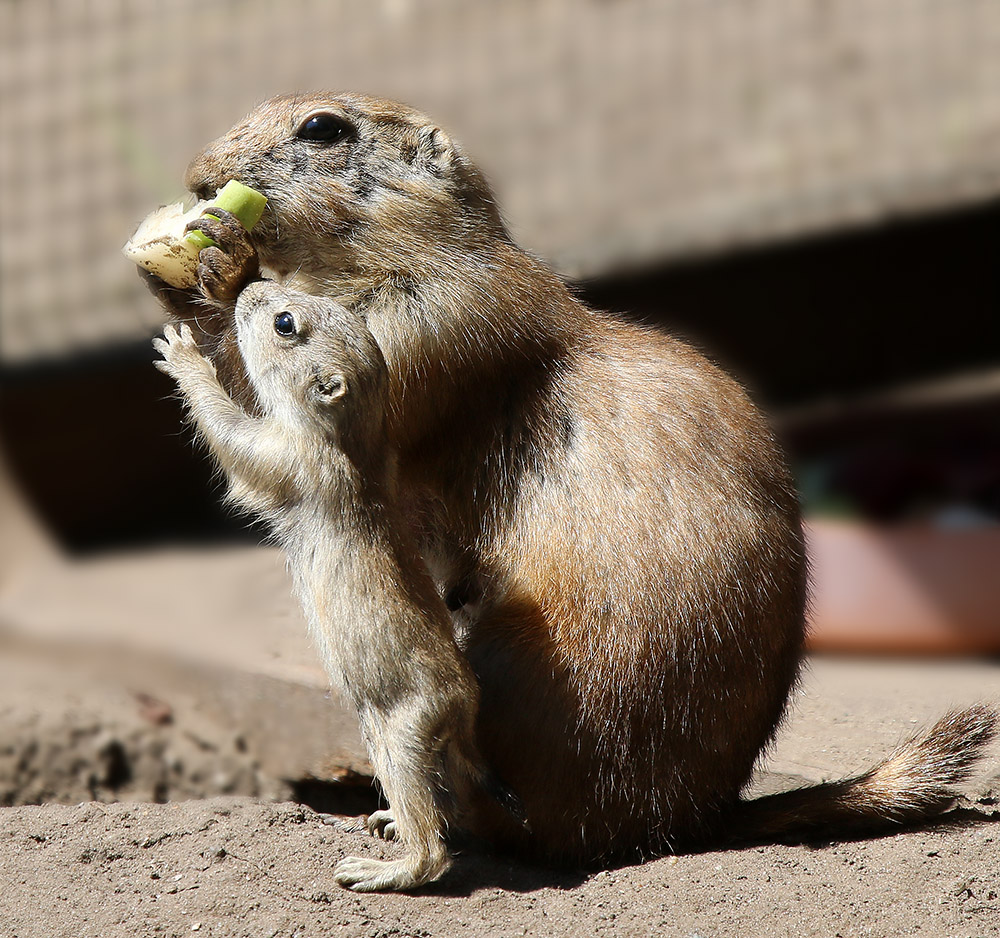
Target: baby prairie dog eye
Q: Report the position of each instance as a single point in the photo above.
(324, 128)
(284, 324)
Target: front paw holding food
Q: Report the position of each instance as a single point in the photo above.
(227, 266)
(182, 248)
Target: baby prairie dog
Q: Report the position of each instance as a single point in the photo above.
(316, 465)
(606, 528)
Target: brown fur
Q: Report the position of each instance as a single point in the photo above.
(607, 514)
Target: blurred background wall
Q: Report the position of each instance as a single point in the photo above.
(807, 190)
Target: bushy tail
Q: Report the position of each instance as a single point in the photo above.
(911, 786)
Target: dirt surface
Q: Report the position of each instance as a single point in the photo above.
(176, 734)
(230, 865)
(235, 867)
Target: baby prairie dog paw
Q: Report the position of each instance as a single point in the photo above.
(227, 267)
(361, 874)
(182, 359)
(382, 824)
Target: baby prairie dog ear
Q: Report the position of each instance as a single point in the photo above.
(329, 386)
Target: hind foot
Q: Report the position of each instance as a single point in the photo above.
(382, 824)
(364, 875)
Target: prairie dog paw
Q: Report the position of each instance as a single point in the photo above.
(364, 875)
(224, 270)
(181, 356)
(352, 824)
(382, 824)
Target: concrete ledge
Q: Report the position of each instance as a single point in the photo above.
(213, 635)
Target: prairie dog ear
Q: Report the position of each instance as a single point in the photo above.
(330, 386)
(435, 151)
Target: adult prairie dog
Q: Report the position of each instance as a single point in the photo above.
(605, 514)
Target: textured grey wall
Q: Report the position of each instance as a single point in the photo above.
(618, 134)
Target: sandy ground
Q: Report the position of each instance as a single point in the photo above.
(239, 865)
(170, 801)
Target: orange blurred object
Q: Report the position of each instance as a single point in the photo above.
(908, 589)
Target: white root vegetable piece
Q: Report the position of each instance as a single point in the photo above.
(162, 247)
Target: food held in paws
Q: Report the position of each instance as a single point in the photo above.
(163, 247)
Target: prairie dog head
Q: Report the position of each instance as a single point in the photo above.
(311, 362)
(359, 183)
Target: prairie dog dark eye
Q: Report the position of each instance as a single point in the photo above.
(324, 128)
(284, 324)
